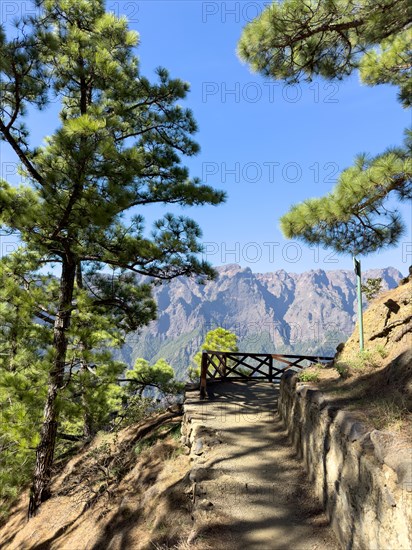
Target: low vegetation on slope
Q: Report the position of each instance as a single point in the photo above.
(124, 490)
(376, 382)
(94, 400)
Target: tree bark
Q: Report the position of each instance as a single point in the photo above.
(88, 424)
(40, 490)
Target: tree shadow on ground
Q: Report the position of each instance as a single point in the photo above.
(246, 415)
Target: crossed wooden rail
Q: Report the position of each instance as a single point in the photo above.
(220, 365)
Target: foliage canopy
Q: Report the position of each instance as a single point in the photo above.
(117, 148)
(297, 40)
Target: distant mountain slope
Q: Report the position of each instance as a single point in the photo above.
(309, 312)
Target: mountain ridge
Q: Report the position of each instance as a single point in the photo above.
(309, 312)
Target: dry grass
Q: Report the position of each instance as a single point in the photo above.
(376, 383)
(121, 492)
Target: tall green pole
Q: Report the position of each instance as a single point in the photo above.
(357, 266)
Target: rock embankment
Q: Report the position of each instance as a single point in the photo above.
(363, 478)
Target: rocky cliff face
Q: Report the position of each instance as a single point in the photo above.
(284, 312)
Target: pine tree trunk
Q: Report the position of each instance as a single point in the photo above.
(88, 424)
(40, 490)
(88, 428)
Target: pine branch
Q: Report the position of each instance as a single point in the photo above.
(20, 153)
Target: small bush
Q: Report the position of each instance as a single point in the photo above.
(176, 432)
(382, 351)
(319, 366)
(372, 288)
(366, 359)
(142, 446)
(137, 409)
(193, 374)
(363, 360)
(342, 369)
(309, 376)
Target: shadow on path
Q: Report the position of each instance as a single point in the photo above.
(261, 497)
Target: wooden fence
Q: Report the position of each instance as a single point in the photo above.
(221, 365)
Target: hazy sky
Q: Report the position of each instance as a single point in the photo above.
(268, 145)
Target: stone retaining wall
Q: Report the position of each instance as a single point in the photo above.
(199, 440)
(196, 436)
(363, 478)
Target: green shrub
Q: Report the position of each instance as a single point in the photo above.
(308, 376)
(343, 369)
(137, 409)
(142, 446)
(362, 360)
(382, 351)
(176, 432)
(318, 366)
(372, 288)
(193, 374)
(365, 359)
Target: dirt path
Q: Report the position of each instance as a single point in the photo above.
(255, 495)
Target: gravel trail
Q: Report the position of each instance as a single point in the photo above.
(255, 495)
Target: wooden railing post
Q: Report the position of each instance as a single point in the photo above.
(203, 375)
(224, 366)
(271, 369)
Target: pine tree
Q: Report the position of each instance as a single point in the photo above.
(354, 217)
(299, 39)
(218, 339)
(117, 148)
(91, 396)
(294, 40)
(372, 287)
(159, 376)
(23, 377)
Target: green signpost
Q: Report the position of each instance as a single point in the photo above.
(357, 266)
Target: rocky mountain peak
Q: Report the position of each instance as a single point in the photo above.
(308, 312)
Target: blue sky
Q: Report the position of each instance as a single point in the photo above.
(268, 145)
